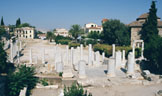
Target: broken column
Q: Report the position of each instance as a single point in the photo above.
(103, 56)
(18, 55)
(67, 54)
(81, 69)
(81, 51)
(30, 56)
(59, 67)
(111, 68)
(113, 50)
(11, 51)
(142, 50)
(72, 56)
(123, 58)
(20, 45)
(90, 55)
(118, 59)
(130, 63)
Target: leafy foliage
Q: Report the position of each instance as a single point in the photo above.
(115, 32)
(75, 90)
(75, 45)
(76, 31)
(4, 65)
(153, 42)
(149, 28)
(50, 36)
(94, 35)
(2, 22)
(23, 77)
(108, 49)
(62, 40)
(44, 82)
(18, 22)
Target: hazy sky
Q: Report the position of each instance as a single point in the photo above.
(50, 14)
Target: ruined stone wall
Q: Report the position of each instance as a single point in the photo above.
(135, 34)
(160, 31)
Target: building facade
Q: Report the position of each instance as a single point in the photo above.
(25, 32)
(61, 32)
(137, 25)
(91, 27)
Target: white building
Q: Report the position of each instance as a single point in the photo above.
(92, 27)
(25, 32)
(61, 32)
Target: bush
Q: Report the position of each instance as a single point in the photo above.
(91, 41)
(108, 49)
(62, 39)
(23, 77)
(75, 45)
(44, 82)
(75, 90)
(63, 42)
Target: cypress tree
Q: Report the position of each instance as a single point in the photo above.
(18, 22)
(2, 22)
(149, 28)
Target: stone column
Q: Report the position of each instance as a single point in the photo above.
(59, 67)
(111, 68)
(133, 48)
(11, 51)
(97, 58)
(72, 56)
(130, 63)
(113, 50)
(36, 61)
(67, 54)
(81, 51)
(90, 55)
(30, 56)
(123, 55)
(118, 59)
(142, 50)
(18, 55)
(103, 56)
(81, 69)
(43, 56)
(20, 45)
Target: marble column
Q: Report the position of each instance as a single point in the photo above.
(97, 58)
(18, 55)
(81, 51)
(20, 45)
(130, 63)
(90, 55)
(11, 51)
(142, 50)
(113, 50)
(133, 48)
(67, 54)
(36, 61)
(72, 56)
(118, 59)
(43, 56)
(59, 67)
(111, 68)
(81, 69)
(30, 56)
(123, 55)
(103, 56)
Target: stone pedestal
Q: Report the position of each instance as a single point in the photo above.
(130, 63)
(81, 52)
(111, 68)
(81, 71)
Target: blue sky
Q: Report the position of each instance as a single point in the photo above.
(50, 14)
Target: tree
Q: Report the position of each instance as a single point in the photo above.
(115, 32)
(75, 90)
(50, 36)
(149, 28)
(18, 22)
(75, 31)
(2, 22)
(153, 42)
(94, 35)
(23, 77)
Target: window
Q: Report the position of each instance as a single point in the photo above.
(26, 32)
(30, 31)
(91, 25)
(26, 36)
(30, 35)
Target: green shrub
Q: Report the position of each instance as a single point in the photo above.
(44, 82)
(63, 42)
(108, 49)
(60, 74)
(91, 41)
(75, 45)
(62, 39)
(75, 90)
